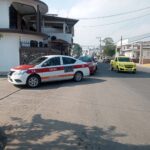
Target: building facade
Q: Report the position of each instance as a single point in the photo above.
(26, 31)
(139, 51)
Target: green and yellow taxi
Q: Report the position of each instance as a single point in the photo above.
(124, 64)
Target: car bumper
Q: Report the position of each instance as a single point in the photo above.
(127, 69)
(92, 69)
(17, 80)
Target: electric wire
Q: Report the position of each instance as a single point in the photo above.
(117, 22)
(114, 15)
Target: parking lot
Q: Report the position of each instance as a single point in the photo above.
(106, 111)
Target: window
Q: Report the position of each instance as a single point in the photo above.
(52, 62)
(67, 61)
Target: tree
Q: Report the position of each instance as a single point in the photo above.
(76, 50)
(109, 48)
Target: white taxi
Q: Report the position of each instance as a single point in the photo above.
(48, 68)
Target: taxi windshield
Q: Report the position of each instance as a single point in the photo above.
(37, 61)
(124, 59)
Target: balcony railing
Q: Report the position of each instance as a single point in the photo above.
(33, 44)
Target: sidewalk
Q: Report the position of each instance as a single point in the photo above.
(144, 65)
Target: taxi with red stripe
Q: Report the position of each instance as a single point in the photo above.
(48, 68)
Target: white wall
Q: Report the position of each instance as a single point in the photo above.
(9, 49)
(4, 14)
(129, 54)
(25, 37)
(146, 54)
(62, 36)
(51, 30)
(9, 52)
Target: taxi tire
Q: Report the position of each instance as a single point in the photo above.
(118, 69)
(34, 78)
(78, 76)
(111, 68)
(134, 72)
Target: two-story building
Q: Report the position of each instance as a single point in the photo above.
(139, 51)
(27, 31)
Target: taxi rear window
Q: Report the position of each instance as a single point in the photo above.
(67, 61)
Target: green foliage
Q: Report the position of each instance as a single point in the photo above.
(109, 48)
(76, 50)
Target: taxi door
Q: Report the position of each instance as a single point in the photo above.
(69, 67)
(52, 69)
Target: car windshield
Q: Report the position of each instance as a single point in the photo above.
(37, 61)
(124, 59)
(86, 59)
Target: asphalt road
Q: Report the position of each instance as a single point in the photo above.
(107, 111)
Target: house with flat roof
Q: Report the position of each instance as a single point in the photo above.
(138, 51)
(27, 32)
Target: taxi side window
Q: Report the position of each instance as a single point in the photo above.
(52, 62)
(67, 61)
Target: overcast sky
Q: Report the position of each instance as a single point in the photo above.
(86, 31)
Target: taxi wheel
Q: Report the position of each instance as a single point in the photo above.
(118, 69)
(111, 68)
(134, 72)
(78, 76)
(33, 81)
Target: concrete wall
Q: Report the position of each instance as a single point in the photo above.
(9, 49)
(128, 54)
(59, 34)
(4, 11)
(9, 52)
(146, 53)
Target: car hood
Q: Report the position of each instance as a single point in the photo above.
(24, 67)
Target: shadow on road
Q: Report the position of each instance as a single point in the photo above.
(104, 71)
(47, 134)
(3, 139)
(67, 83)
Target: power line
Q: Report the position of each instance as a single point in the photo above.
(114, 15)
(136, 38)
(121, 21)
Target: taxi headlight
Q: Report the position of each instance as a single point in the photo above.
(21, 72)
(121, 65)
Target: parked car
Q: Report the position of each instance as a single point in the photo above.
(90, 61)
(48, 68)
(123, 63)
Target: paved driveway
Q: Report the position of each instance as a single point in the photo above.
(108, 111)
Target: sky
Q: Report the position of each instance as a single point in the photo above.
(88, 31)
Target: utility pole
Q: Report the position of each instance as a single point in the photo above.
(121, 46)
(141, 53)
(100, 40)
(100, 46)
